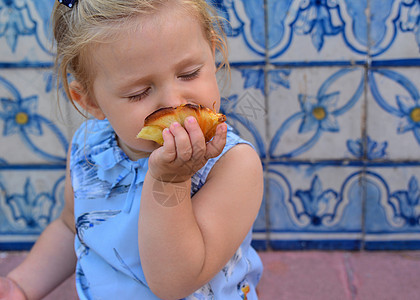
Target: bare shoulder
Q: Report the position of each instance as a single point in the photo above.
(237, 180)
(239, 161)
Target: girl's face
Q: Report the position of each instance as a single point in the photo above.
(163, 60)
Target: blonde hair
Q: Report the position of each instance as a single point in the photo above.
(90, 22)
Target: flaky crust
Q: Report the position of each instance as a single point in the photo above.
(165, 116)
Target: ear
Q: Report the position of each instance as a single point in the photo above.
(81, 97)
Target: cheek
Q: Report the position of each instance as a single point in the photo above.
(127, 135)
(214, 97)
(126, 123)
(209, 91)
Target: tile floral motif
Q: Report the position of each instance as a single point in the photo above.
(25, 121)
(318, 107)
(394, 111)
(314, 206)
(29, 200)
(392, 207)
(398, 27)
(343, 23)
(25, 28)
(245, 25)
(244, 106)
(369, 148)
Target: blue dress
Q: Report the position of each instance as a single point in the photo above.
(105, 183)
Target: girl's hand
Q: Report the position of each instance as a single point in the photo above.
(9, 290)
(184, 151)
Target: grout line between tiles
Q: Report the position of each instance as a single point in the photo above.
(266, 161)
(364, 128)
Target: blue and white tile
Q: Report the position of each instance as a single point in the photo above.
(314, 206)
(25, 33)
(29, 200)
(393, 113)
(244, 105)
(395, 32)
(31, 125)
(392, 208)
(305, 32)
(245, 29)
(316, 113)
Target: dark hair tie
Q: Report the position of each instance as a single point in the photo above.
(68, 3)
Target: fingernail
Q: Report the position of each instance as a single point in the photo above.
(191, 120)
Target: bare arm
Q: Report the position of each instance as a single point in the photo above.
(182, 247)
(52, 259)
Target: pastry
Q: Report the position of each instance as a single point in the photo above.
(162, 118)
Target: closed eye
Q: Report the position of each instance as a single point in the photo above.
(192, 75)
(139, 96)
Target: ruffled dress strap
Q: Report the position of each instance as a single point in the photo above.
(95, 145)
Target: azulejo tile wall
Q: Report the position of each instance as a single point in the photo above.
(327, 90)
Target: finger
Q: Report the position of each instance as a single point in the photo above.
(198, 142)
(216, 145)
(168, 150)
(182, 142)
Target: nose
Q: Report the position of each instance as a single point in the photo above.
(173, 95)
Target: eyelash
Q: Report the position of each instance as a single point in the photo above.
(140, 96)
(144, 94)
(191, 76)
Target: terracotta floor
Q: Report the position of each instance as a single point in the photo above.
(313, 275)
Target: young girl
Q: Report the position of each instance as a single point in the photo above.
(144, 221)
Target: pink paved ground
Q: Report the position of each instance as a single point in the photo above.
(312, 275)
